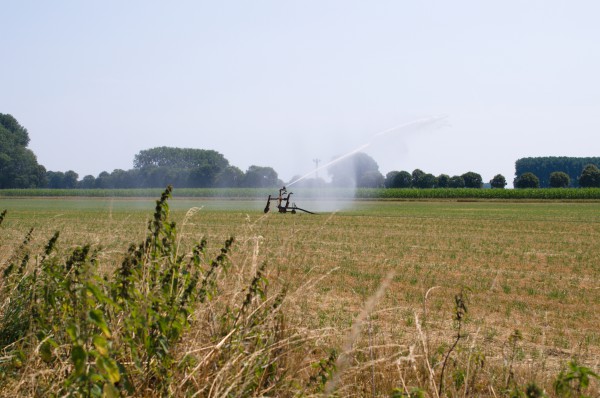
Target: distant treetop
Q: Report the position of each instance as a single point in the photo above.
(18, 165)
(179, 158)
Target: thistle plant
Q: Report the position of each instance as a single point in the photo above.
(460, 312)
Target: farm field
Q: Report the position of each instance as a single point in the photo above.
(376, 282)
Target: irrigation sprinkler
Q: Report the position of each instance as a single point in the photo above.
(283, 203)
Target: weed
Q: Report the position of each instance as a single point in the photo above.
(513, 351)
(573, 381)
(460, 311)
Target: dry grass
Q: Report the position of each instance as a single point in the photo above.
(531, 267)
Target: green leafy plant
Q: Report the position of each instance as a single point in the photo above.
(414, 392)
(530, 391)
(324, 371)
(460, 312)
(573, 381)
(513, 349)
(117, 334)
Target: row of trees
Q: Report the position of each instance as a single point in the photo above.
(544, 167)
(152, 177)
(199, 168)
(163, 166)
(589, 178)
(419, 179)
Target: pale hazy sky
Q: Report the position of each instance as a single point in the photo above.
(280, 83)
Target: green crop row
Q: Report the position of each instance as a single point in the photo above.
(332, 193)
(470, 193)
(240, 193)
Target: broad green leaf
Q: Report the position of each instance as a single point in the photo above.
(101, 345)
(97, 317)
(46, 351)
(110, 391)
(79, 357)
(96, 292)
(72, 332)
(109, 366)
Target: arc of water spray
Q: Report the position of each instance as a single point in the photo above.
(414, 124)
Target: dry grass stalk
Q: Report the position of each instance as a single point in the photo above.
(344, 359)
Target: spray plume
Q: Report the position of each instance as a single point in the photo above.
(419, 123)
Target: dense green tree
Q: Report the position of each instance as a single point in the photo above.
(12, 132)
(472, 179)
(60, 180)
(229, 177)
(590, 177)
(527, 180)
(348, 172)
(389, 179)
(103, 180)
(178, 158)
(499, 181)
(420, 179)
(456, 182)
(87, 182)
(559, 179)
(56, 179)
(120, 178)
(426, 180)
(261, 177)
(162, 176)
(403, 180)
(443, 181)
(204, 176)
(417, 174)
(398, 179)
(70, 180)
(182, 167)
(18, 165)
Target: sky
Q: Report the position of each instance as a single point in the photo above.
(282, 83)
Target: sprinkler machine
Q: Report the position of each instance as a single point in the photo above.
(283, 203)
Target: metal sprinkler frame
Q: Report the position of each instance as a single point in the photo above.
(283, 203)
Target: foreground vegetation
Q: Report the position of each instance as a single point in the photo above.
(383, 299)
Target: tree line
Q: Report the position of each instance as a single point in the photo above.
(200, 168)
(544, 168)
(589, 178)
(419, 179)
(180, 167)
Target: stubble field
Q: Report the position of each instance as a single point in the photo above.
(371, 289)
